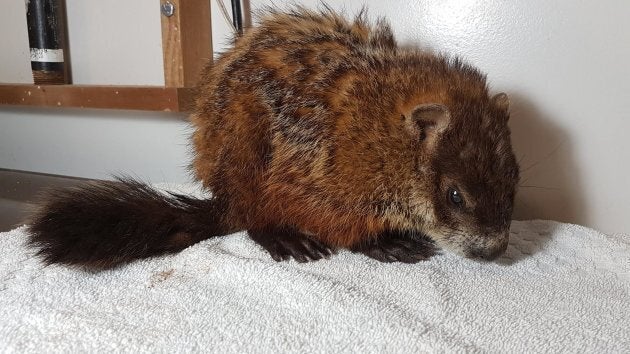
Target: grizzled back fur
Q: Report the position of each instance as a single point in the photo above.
(326, 125)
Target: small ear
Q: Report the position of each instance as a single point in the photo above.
(501, 101)
(428, 121)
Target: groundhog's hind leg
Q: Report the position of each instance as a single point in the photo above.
(397, 246)
(283, 243)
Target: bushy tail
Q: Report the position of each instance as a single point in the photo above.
(101, 225)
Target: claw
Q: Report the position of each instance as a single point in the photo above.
(285, 243)
(398, 247)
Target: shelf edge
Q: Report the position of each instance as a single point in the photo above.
(145, 98)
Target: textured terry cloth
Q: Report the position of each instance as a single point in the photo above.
(559, 288)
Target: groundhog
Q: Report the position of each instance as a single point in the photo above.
(315, 133)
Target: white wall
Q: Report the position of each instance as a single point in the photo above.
(14, 53)
(94, 143)
(564, 64)
(115, 42)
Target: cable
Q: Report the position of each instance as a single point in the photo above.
(226, 16)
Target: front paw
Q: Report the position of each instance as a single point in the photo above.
(396, 247)
(283, 243)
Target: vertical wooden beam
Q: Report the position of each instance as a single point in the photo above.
(186, 41)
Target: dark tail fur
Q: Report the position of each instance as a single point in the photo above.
(105, 224)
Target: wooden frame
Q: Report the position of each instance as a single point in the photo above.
(186, 50)
(186, 46)
(145, 98)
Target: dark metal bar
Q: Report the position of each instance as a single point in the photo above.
(237, 16)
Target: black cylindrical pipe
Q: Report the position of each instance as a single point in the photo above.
(47, 39)
(237, 16)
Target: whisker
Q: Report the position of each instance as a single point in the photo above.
(522, 202)
(547, 188)
(546, 156)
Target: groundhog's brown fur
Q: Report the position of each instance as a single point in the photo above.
(303, 118)
(315, 132)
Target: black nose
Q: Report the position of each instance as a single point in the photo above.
(488, 254)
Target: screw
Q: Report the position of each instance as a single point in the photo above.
(168, 9)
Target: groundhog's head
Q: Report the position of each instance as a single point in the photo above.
(465, 188)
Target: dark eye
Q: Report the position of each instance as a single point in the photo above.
(455, 197)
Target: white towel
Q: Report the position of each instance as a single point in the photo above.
(559, 288)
